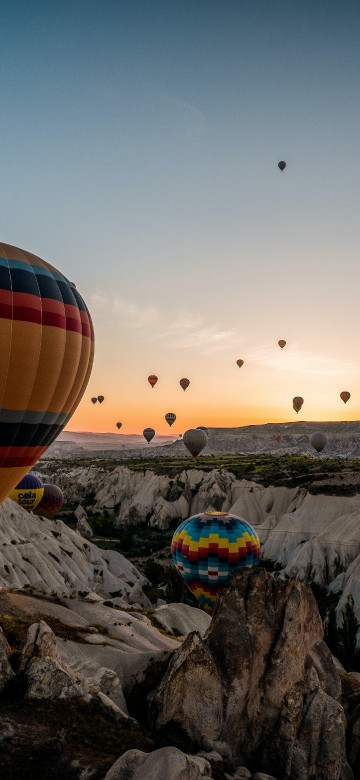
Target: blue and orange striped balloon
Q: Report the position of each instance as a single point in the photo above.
(207, 548)
(46, 355)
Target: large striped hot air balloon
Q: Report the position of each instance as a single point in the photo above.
(170, 418)
(28, 492)
(51, 502)
(46, 355)
(207, 548)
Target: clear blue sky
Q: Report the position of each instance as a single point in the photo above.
(139, 150)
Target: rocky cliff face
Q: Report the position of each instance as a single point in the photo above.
(261, 687)
(313, 537)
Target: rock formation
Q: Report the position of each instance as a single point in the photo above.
(261, 688)
(315, 538)
(48, 557)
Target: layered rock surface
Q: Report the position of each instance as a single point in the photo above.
(313, 537)
(47, 556)
(261, 688)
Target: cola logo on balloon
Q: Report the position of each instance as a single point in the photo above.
(46, 358)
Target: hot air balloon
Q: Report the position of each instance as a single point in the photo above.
(170, 418)
(149, 434)
(278, 436)
(184, 383)
(345, 395)
(282, 165)
(101, 398)
(93, 400)
(318, 440)
(203, 428)
(51, 502)
(152, 379)
(297, 403)
(207, 548)
(28, 492)
(46, 355)
(195, 441)
(118, 425)
(281, 343)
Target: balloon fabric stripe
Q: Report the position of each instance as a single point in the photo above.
(46, 355)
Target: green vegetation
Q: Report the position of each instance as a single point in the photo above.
(289, 470)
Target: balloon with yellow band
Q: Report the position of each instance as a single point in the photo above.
(206, 550)
(28, 492)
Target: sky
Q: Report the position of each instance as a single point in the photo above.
(139, 146)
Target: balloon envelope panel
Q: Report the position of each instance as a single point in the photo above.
(46, 355)
(28, 492)
(207, 548)
(51, 502)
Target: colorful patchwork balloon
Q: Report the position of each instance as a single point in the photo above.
(46, 355)
(28, 492)
(207, 548)
(51, 502)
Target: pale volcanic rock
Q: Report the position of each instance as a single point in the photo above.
(167, 511)
(82, 525)
(261, 687)
(182, 619)
(167, 763)
(108, 649)
(51, 558)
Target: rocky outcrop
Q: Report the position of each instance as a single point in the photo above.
(47, 675)
(6, 672)
(261, 688)
(82, 525)
(315, 538)
(168, 763)
(48, 557)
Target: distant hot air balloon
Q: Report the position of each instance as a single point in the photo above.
(195, 441)
(149, 434)
(184, 383)
(51, 502)
(207, 548)
(93, 400)
(28, 492)
(281, 343)
(46, 355)
(297, 403)
(282, 165)
(203, 428)
(318, 440)
(118, 425)
(101, 398)
(170, 418)
(240, 362)
(278, 436)
(345, 395)
(152, 379)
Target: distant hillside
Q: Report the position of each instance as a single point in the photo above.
(271, 438)
(77, 442)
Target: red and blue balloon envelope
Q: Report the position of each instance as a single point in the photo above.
(207, 548)
(51, 502)
(46, 355)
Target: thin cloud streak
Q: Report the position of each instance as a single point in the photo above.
(296, 359)
(189, 332)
